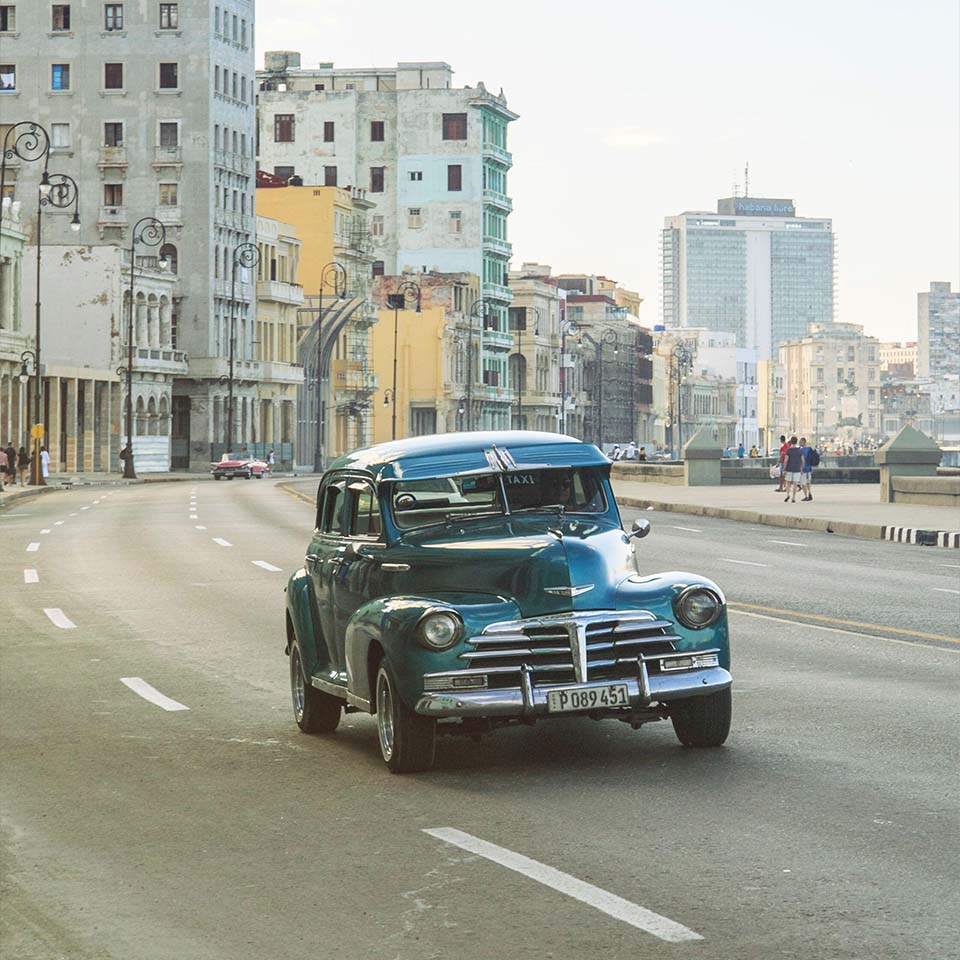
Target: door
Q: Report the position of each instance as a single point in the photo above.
(323, 557)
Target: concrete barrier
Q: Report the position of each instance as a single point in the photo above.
(648, 472)
(936, 491)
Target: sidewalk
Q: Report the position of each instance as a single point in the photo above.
(848, 509)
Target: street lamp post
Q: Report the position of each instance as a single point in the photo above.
(567, 329)
(406, 291)
(681, 359)
(521, 364)
(338, 273)
(608, 336)
(149, 231)
(245, 255)
(478, 309)
(23, 412)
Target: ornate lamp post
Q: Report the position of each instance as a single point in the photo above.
(150, 231)
(27, 355)
(681, 359)
(608, 336)
(336, 273)
(408, 291)
(478, 309)
(567, 329)
(245, 255)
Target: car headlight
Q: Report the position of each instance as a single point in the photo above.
(439, 629)
(697, 607)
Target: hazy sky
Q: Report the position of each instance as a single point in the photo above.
(631, 111)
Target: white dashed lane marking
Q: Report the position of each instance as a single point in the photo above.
(84, 508)
(609, 903)
(786, 543)
(688, 529)
(143, 689)
(748, 563)
(945, 590)
(58, 523)
(31, 576)
(222, 542)
(33, 547)
(198, 527)
(265, 565)
(44, 531)
(59, 619)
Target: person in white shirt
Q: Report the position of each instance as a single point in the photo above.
(45, 462)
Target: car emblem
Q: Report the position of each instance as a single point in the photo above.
(568, 591)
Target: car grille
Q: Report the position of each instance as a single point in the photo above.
(612, 642)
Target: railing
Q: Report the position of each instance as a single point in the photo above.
(163, 155)
(112, 215)
(498, 339)
(498, 199)
(496, 245)
(498, 153)
(497, 291)
(113, 156)
(280, 291)
(169, 215)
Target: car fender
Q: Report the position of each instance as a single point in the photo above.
(301, 608)
(388, 624)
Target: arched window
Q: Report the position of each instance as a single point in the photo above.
(168, 252)
(152, 428)
(164, 417)
(140, 429)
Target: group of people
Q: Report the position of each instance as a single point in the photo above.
(795, 470)
(17, 462)
(630, 453)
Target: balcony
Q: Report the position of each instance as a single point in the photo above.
(167, 156)
(497, 340)
(497, 246)
(112, 216)
(280, 292)
(497, 199)
(169, 216)
(497, 291)
(112, 157)
(158, 360)
(498, 154)
(277, 372)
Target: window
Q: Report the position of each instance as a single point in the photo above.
(113, 76)
(113, 134)
(8, 18)
(365, 521)
(60, 76)
(423, 421)
(454, 126)
(332, 509)
(113, 194)
(839, 373)
(8, 77)
(376, 131)
(454, 176)
(376, 179)
(60, 135)
(329, 176)
(283, 128)
(61, 16)
(416, 175)
(328, 131)
(284, 173)
(113, 16)
(169, 133)
(169, 16)
(414, 218)
(378, 267)
(168, 195)
(319, 86)
(456, 222)
(819, 374)
(169, 76)
(376, 226)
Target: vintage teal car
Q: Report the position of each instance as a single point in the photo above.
(458, 583)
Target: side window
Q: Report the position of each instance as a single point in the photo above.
(331, 509)
(366, 510)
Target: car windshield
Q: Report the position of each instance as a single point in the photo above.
(576, 489)
(417, 503)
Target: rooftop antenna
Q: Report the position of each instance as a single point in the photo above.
(736, 186)
(746, 180)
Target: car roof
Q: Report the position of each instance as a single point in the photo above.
(482, 451)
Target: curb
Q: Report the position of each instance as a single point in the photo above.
(845, 528)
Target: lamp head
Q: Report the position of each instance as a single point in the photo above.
(75, 222)
(45, 185)
(163, 263)
(386, 400)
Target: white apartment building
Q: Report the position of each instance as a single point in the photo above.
(150, 108)
(899, 359)
(938, 331)
(753, 268)
(432, 157)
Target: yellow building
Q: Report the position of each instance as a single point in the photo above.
(335, 265)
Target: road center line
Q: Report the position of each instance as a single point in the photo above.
(687, 529)
(222, 542)
(748, 563)
(143, 689)
(47, 530)
(33, 547)
(31, 576)
(198, 527)
(945, 590)
(84, 508)
(787, 543)
(59, 619)
(608, 903)
(265, 565)
(58, 523)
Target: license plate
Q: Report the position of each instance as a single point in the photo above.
(587, 698)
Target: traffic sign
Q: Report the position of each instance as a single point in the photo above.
(36, 431)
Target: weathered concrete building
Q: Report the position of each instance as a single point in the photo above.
(938, 331)
(150, 108)
(14, 339)
(432, 157)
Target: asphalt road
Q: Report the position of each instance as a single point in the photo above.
(827, 827)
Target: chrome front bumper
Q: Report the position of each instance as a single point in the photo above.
(528, 700)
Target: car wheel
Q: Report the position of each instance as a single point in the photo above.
(407, 740)
(314, 710)
(217, 476)
(703, 721)
(230, 477)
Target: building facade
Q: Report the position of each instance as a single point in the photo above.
(938, 331)
(753, 269)
(14, 339)
(150, 108)
(432, 157)
(899, 360)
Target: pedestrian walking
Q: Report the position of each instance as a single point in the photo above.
(271, 460)
(811, 459)
(23, 464)
(11, 453)
(3, 466)
(782, 486)
(45, 462)
(794, 474)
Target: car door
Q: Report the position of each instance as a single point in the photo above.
(322, 560)
(357, 578)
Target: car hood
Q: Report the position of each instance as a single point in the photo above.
(544, 564)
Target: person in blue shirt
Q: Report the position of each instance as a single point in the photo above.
(807, 469)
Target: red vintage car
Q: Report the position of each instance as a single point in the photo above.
(240, 465)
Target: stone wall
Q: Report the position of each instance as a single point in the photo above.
(934, 491)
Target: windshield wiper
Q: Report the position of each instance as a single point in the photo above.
(452, 518)
(558, 507)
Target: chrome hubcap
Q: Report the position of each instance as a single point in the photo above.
(296, 683)
(385, 716)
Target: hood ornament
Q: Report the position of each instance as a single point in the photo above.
(569, 591)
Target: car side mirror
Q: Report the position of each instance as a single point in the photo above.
(640, 528)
